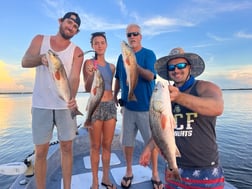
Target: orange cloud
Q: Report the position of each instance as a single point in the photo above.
(15, 79)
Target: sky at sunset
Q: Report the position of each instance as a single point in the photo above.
(219, 31)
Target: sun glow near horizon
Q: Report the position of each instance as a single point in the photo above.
(14, 79)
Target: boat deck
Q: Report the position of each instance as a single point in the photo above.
(81, 177)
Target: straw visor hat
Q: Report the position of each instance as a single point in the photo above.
(196, 62)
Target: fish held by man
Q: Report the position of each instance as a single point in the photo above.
(162, 125)
(130, 64)
(59, 75)
(96, 93)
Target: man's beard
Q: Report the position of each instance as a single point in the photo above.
(67, 37)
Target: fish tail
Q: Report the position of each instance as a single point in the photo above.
(173, 174)
(75, 113)
(132, 97)
(87, 124)
(176, 174)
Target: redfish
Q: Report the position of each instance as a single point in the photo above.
(96, 93)
(130, 65)
(162, 124)
(59, 75)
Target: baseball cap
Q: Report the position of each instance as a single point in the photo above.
(73, 16)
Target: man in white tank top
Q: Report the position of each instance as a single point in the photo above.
(48, 109)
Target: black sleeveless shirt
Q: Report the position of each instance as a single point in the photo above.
(195, 136)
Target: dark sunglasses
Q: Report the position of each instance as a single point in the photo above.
(180, 66)
(133, 33)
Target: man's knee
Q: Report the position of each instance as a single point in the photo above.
(66, 146)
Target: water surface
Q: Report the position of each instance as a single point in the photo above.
(234, 130)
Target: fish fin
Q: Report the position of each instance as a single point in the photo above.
(57, 75)
(177, 153)
(163, 121)
(94, 91)
(127, 61)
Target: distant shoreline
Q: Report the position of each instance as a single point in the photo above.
(237, 89)
(2, 93)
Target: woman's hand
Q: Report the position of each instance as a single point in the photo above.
(146, 154)
(90, 68)
(145, 157)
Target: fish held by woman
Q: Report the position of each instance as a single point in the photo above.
(59, 75)
(162, 125)
(96, 93)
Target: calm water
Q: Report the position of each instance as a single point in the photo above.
(234, 130)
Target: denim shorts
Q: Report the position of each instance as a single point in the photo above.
(44, 120)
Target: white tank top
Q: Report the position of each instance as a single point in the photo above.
(44, 93)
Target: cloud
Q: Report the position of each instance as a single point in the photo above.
(202, 45)
(217, 38)
(231, 78)
(244, 35)
(122, 7)
(153, 24)
(55, 9)
(93, 22)
(161, 21)
(213, 7)
(12, 80)
(200, 11)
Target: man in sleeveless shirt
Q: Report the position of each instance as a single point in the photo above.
(195, 106)
(48, 109)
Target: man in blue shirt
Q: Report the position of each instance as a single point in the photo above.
(136, 113)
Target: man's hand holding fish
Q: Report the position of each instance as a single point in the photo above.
(44, 60)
